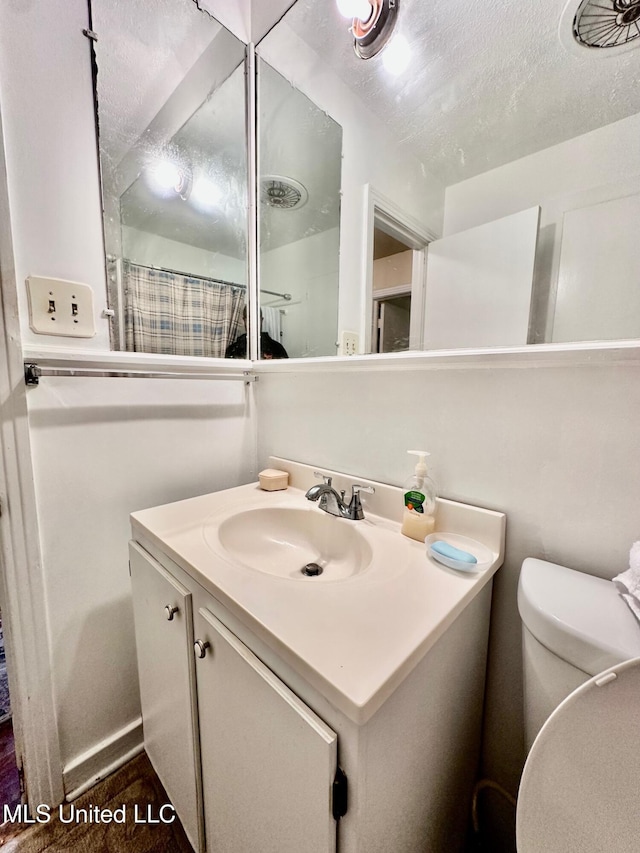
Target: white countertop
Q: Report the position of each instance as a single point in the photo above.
(355, 639)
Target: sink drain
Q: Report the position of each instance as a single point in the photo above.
(311, 570)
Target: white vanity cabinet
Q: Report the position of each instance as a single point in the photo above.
(163, 616)
(312, 714)
(268, 763)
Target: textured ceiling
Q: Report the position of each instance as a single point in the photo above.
(142, 54)
(489, 82)
(297, 140)
(155, 97)
(212, 142)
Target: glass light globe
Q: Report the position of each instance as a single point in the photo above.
(396, 55)
(205, 195)
(164, 176)
(355, 9)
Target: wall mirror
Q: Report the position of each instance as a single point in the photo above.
(490, 177)
(170, 92)
(299, 173)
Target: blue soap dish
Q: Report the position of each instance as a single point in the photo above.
(458, 552)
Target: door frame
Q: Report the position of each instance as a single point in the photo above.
(382, 212)
(22, 586)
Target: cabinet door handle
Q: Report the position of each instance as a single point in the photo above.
(170, 611)
(200, 648)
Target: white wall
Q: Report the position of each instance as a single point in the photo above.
(370, 156)
(393, 271)
(555, 448)
(45, 90)
(265, 15)
(141, 247)
(308, 270)
(235, 16)
(604, 156)
(101, 447)
(249, 20)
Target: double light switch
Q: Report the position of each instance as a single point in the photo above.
(59, 307)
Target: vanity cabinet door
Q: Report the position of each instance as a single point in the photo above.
(163, 616)
(268, 762)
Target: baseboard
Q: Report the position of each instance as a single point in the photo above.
(102, 760)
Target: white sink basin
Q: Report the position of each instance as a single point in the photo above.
(282, 541)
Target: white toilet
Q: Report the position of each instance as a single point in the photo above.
(581, 655)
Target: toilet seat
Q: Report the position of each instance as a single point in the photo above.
(579, 788)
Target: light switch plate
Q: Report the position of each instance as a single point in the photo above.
(58, 307)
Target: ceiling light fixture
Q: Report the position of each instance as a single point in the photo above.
(355, 9)
(372, 23)
(396, 55)
(166, 177)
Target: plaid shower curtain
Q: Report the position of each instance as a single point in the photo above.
(177, 314)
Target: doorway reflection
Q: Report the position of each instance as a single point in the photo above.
(392, 277)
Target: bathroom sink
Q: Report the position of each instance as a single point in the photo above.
(357, 630)
(304, 544)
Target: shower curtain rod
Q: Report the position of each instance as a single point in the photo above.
(286, 296)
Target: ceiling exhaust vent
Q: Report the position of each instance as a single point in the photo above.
(607, 24)
(284, 193)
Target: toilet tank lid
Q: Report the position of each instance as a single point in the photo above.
(578, 617)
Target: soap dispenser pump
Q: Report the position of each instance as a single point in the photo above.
(419, 501)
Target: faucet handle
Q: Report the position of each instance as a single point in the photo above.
(326, 479)
(356, 489)
(355, 507)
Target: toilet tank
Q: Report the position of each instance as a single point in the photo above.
(574, 626)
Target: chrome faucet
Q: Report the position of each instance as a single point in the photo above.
(334, 503)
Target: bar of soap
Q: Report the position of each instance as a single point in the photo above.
(273, 480)
(454, 558)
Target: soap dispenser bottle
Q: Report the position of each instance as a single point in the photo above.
(419, 501)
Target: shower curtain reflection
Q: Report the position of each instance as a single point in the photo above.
(174, 314)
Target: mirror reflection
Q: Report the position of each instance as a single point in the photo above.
(391, 297)
(497, 153)
(171, 109)
(299, 173)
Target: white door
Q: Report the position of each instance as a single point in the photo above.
(479, 284)
(268, 762)
(394, 323)
(598, 293)
(164, 639)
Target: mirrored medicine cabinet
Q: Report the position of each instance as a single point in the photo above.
(487, 196)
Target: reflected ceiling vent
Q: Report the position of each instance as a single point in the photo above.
(284, 193)
(607, 24)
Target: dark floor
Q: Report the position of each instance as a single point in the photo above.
(135, 790)
(134, 787)
(9, 777)
(135, 784)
